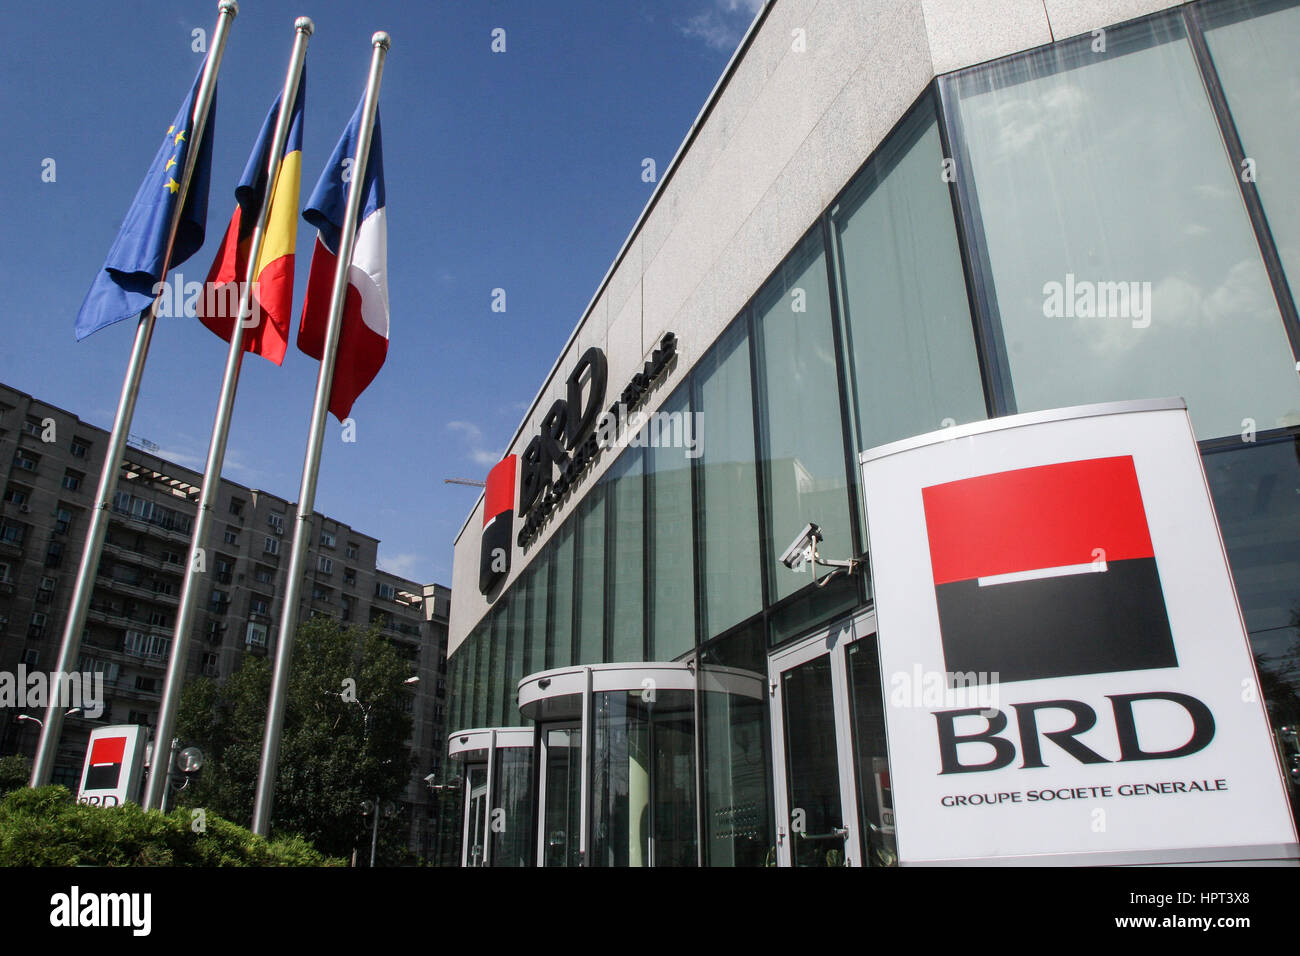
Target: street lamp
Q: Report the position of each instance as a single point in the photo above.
(365, 738)
(41, 724)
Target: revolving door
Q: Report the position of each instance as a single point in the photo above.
(497, 815)
(618, 756)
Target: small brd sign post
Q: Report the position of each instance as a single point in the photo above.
(113, 767)
(1059, 582)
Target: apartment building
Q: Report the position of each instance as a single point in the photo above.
(50, 461)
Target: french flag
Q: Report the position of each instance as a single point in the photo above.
(363, 338)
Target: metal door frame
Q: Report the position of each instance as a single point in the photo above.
(832, 641)
(543, 752)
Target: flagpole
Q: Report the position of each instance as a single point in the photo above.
(311, 466)
(47, 748)
(196, 566)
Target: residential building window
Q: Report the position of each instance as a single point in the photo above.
(210, 668)
(54, 555)
(324, 565)
(72, 480)
(80, 448)
(276, 521)
(353, 551)
(259, 605)
(255, 636)
(17, 495)
(232, 535)
(140, 644)
(263, 574)
(237, 507)
(171, 557)
(385, 590)
(147, 684)
(327, 539)
(272, 546)
(159, 619)
(12, 532)
(32, 426)
(62, 520)
(219, 601)
(37, 628)
(26, 460)
(32, 657)
(350, 577)
(224, 570)
(4, 573)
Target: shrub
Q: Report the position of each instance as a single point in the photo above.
(45, 827)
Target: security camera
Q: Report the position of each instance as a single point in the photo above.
(801, 549)
(430, 778)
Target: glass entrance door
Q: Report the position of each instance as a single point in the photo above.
(475, 815)
(560, 815)
(829, 758)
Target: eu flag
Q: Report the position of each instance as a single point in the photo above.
(125, 287)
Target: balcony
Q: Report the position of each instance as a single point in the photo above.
(164, 531)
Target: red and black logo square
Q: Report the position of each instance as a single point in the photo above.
(106, 757)
(1047, 572)
(498, 524)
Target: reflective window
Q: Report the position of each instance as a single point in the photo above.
(627, 518)
(643, 779)
(1256, 491)
(1120, 253)
(672, 559)
(1254, 44)
(497, 637)
(871, 754)
(520, 629)
(802, 433)
(481, 644)
(729, 529)
(559, 652)
(563, 797)
(511, 841)
(737, 771)
(908, 325)
(537, 604)
(591, 577)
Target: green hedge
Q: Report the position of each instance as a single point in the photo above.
(45, 827)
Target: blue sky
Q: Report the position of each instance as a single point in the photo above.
(519, 170)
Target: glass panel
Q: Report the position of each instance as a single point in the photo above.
(1120, 251)
(563, 796)
(672, 569)
(514, 671)
(724, 401)
(476, 804)
(1256, 491)
(496, 637)
(591, 576)
(802, 434)
(870, 754)
(812, 765)
(481, 643)
(737, 769)
(1254, 46)
(537, 601)
(559, 651)
(511, 834)
(643, 780)
(909, 330)
(625, 495)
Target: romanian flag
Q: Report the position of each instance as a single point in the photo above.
(267, 329)
(363, 337)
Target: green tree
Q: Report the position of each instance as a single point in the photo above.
(15, 771)
(343, 743)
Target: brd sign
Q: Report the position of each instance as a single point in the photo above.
(1069, 565)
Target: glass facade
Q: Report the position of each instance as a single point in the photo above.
(1059, 227)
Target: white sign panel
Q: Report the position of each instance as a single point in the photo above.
(114, 764)
(1066, 671)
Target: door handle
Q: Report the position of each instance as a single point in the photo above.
(837, 833)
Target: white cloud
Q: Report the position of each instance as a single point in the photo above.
(406, 565)
(722, 23)
(474, 438)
